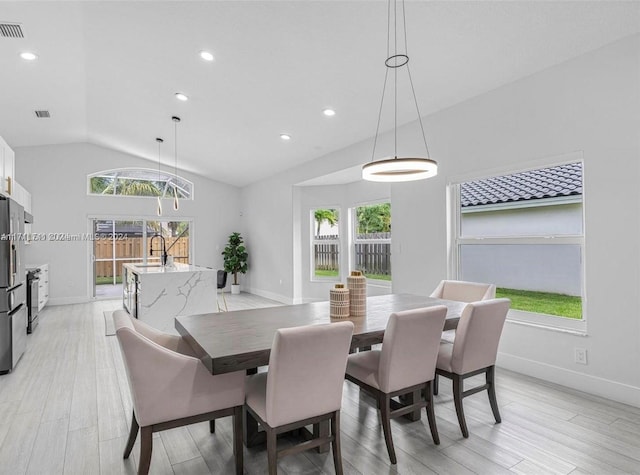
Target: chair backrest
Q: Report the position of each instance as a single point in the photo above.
(222, 279)
(306, 372)
(410, 348)
(166, 340)
(462, 291)
(478, 334)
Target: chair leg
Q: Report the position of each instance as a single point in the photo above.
(132, 436)
(225, 302)
(337, 453)
(457, 399)
(272, 451)
(435, 384)
(146, 447)
(431, 414)
(237, 440)
(385, 409)
(491, 390)
(212, 426)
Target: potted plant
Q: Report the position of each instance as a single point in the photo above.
(235, 259)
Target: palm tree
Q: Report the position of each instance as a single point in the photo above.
(374, 218)
(328, 215)
(132, 188)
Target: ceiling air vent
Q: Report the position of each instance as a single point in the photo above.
(43, 114)
(11, 30)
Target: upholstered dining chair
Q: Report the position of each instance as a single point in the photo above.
(171, 388)
(405, 364)
(222, 283)
(473, 352)
(303, 386)
(462, 291)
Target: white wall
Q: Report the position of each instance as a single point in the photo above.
(56, 176)
(589, 104)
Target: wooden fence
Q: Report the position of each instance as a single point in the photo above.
(372, 258)
(130, 249)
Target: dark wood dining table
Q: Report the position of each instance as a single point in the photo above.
(241, 340)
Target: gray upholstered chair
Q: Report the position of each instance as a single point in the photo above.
(473, 352)
(172, 388)
(462, 291)
(303, 386)
(405, 364)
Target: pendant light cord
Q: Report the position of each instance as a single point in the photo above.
(395, 85)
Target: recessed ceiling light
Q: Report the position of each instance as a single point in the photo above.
(27, 55)
(206, 55)
(329, 112)
(285, 136)
(181, 97)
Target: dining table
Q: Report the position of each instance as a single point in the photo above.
(241, 340)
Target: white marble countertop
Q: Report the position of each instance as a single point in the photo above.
(141, 269)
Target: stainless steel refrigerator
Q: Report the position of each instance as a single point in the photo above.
(13, 290)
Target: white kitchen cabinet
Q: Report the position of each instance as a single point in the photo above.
(21, 196)
(43, 286)
(7, 168)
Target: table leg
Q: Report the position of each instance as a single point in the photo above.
(407, 400)
(251, 436)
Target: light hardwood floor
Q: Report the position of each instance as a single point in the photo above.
(66, 409)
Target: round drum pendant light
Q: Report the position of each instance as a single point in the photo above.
(398, 169)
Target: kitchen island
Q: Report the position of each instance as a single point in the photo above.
(157, 294)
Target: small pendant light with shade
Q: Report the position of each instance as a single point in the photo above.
(176, 204)
(159, 210)
(397, 169)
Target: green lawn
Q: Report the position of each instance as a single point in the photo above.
(334, 273)
(543, 302)
(108, 280)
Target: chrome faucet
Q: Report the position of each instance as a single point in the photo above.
(162, 250)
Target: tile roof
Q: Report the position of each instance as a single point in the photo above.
(563, 180)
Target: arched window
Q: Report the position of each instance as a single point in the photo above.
(139, 182)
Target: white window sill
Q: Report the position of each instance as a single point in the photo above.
(548, 322)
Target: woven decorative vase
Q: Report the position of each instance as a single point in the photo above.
(339, 302)
(357, 284)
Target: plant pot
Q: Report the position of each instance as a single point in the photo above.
(235, 289)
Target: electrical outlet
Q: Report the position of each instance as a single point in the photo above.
(580, 355)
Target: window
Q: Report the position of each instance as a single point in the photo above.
(372, 240)
(325, 244)
(139, 182)
(524, 232)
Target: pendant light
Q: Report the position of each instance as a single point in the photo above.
(398, 168)
(159, 210)
(176, 204)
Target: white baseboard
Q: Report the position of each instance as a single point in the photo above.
(272, 296)
(587, 383)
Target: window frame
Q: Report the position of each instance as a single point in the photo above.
(455, 241)
(168, 176)
(353, 239)
(313, 242)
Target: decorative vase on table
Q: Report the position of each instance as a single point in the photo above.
(339, 302)
(357, 284)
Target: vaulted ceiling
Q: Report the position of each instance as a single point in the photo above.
(107, 71)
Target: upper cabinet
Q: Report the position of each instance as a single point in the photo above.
(7, 168)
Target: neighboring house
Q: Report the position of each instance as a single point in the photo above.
(545, 202)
